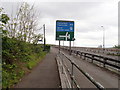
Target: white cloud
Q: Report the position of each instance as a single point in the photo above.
(89, 16)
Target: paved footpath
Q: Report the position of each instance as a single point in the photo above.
(45, 75)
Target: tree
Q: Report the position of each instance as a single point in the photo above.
(4, 18)
(24, 25)
(36, 38)
(3, 21)
(27, 22)
(117, 46)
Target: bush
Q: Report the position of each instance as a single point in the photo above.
(18, 58)
(47, 47)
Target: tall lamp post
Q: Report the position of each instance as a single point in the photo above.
(103, 38)
(44, 36)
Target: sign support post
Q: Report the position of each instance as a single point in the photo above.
(70, 47)
(59, 46)
(65, 32)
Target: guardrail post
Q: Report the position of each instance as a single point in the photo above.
(62, 66)
(84, 55)
(76, 53)
(104, 62)
(72, 76)
(81, 55)
(92, 58)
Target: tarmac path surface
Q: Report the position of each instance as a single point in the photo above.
(45, 75)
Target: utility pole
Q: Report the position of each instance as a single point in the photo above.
(44, 35)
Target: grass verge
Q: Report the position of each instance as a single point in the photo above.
(18, 59)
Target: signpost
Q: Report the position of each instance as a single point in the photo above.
(65, 31)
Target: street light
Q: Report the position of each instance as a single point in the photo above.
(44, 36)
(103, 38)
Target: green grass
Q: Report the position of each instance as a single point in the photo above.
(11, 74)
(113, 54)
(18, 58)
(34, 62)
(11, 77)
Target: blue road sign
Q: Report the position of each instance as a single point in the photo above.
(65, 30)
(65, 26)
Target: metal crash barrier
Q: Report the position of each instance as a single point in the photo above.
(70, 72)
(106, 61)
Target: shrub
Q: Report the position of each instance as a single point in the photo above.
(19, 57)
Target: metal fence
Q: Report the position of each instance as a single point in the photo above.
(113, 63)
(112, 51)
(74, 83)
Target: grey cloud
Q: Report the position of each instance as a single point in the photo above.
(88, 17)
(73, 10)
(10, 7)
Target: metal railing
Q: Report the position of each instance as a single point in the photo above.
(108, 51)
(74, 83)
(113, 63)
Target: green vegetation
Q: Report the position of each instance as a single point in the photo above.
(113, 54)
(18, 58)
(117, 46)
(20, 48)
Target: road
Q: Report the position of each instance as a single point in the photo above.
(105, 77)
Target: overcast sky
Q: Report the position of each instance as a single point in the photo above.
(88, 18)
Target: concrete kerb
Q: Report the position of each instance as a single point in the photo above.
(65, 83)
